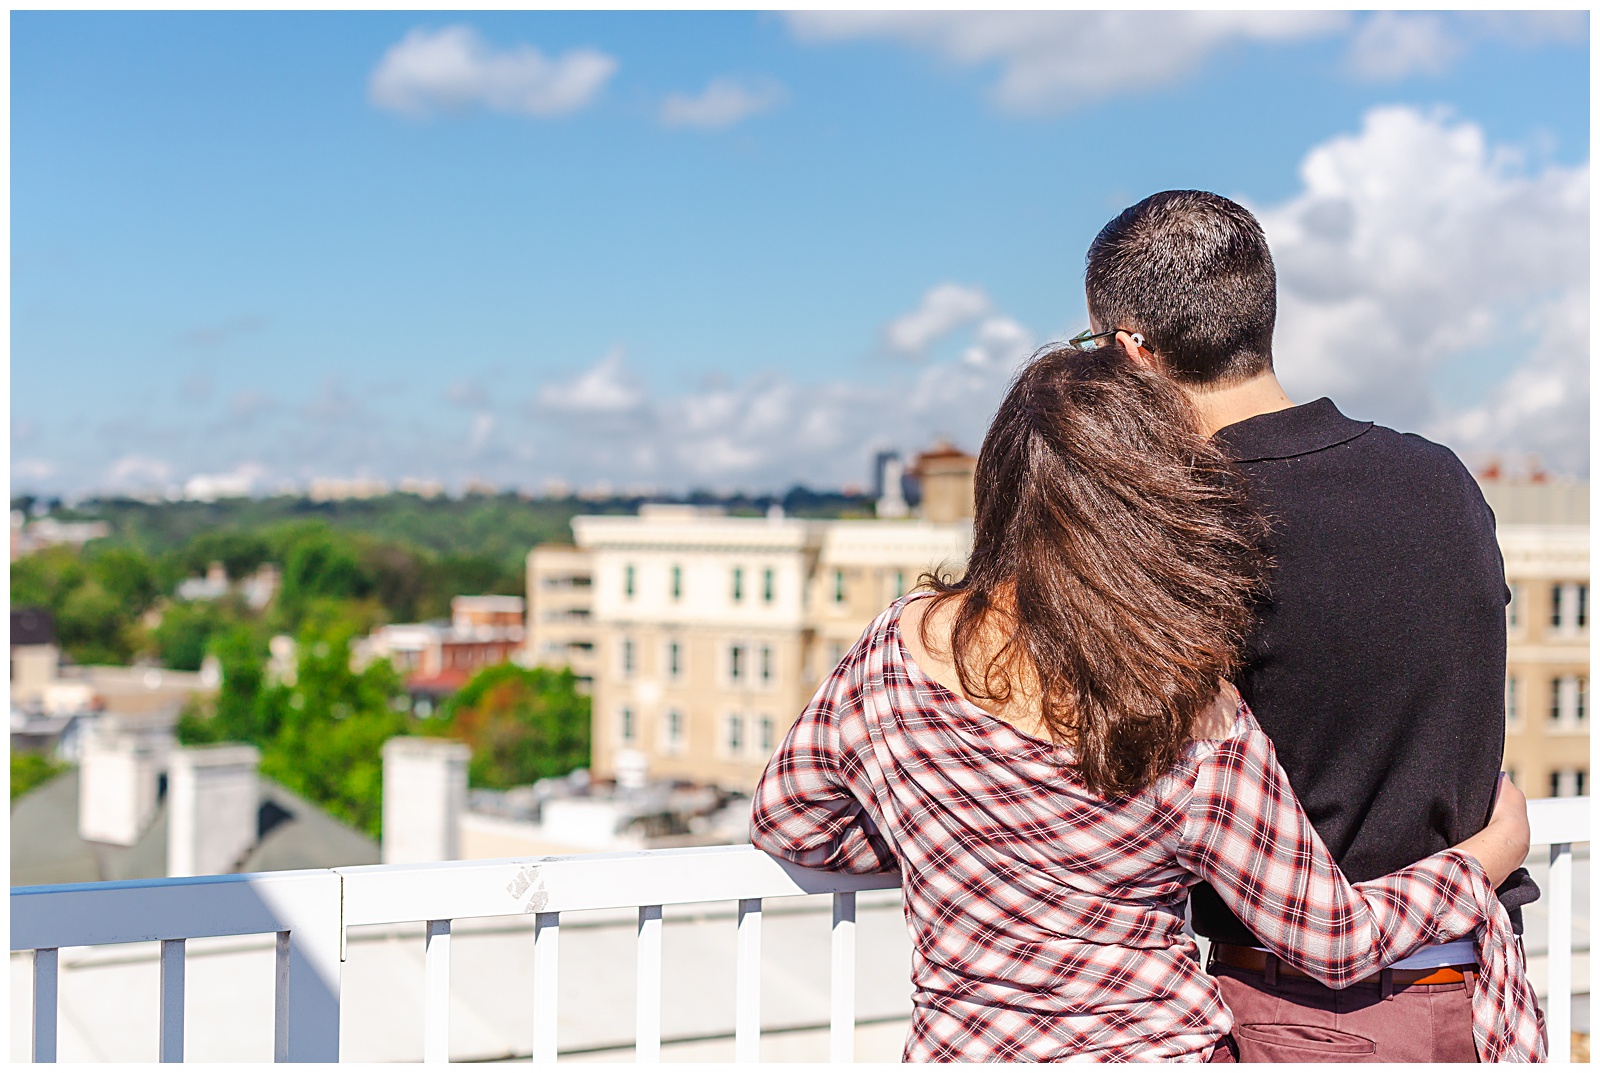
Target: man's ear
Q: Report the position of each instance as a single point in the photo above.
(1133, 346)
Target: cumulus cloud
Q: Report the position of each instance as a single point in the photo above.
(1050, 60)
(942, 310)
(1392, 45)
(483, 426)
(723, 103)
(133, 470)
(1413, 243)
(606, 388)
(453, 69)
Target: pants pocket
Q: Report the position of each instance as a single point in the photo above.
(1301, 1043)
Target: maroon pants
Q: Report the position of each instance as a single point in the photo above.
(1298, 1020)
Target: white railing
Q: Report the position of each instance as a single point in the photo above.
(310, 910)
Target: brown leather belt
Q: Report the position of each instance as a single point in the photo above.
(1253, 960)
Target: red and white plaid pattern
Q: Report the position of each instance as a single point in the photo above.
(1047, 923)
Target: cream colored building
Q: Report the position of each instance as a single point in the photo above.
(712, 633)
(1544, 539)
(561, 631)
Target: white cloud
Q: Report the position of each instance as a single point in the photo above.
(1391, 46)
(942, 310)
(999, 343)
(25, 470)
(607, 388)
(483, 426)
(453, 69)
(1048, 61)
(722, 103)
(137, 469)
(1414, 243)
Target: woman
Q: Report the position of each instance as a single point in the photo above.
(1042, 750)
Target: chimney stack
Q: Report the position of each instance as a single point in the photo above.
(424, 797)
(213, 808)
(119, 777)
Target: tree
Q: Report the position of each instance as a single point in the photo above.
(331, 725)
(522, 724)
(185, 632)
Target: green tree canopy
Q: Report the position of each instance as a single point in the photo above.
(522, 724)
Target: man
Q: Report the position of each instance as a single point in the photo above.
(1378, 659)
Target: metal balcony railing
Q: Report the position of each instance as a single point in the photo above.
(309, 911)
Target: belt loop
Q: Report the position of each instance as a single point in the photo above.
(1271, 970)
(1386, 982)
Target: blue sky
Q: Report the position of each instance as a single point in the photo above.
(741, 250)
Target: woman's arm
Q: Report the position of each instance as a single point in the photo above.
(1248, 836)
(804, 810)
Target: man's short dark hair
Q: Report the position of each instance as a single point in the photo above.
(1190, 271)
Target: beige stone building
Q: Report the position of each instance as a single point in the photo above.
(710, 634)
(1544, 538)
(561, 630)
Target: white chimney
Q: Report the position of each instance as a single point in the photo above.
(424, 797)
(118, 780)
(892, 504)
(213, 808)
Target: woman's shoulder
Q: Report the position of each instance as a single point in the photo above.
(1227, 718)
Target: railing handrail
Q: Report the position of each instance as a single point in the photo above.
(309, 911)
(690, 874)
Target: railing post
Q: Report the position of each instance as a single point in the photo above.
(842, 985)
(747, 984)
(647, 1020)
(436, 992)
(171, 1047)
(306, 995)
(546, 937)
(1558, 960)
(46, 968)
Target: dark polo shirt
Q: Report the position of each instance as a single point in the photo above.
(1377, 662)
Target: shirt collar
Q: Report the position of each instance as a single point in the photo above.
(1298, 430)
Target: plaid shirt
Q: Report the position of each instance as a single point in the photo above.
(1047, 923)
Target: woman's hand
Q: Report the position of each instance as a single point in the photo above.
(1502, 846)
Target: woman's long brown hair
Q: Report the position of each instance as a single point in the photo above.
(1115, 555)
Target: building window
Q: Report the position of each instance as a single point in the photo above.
(768, 585)
(836, 652)
(1555, 700)
(674, 659)
(738, 584)
(766, 665)
(1511, 700)
(627, 655)
(735, 663)
(1514, 608)
(625, 723)
(1569, 782)
(677, 582)
(838, 586)
(674, 729)
(899, 584)
(1580, 698)
(735, 738)
(1569, 606)
(766, 731)
(627, 581)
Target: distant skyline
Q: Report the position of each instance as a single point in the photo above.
(740, 251)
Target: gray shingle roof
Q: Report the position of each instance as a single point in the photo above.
(45, 847)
